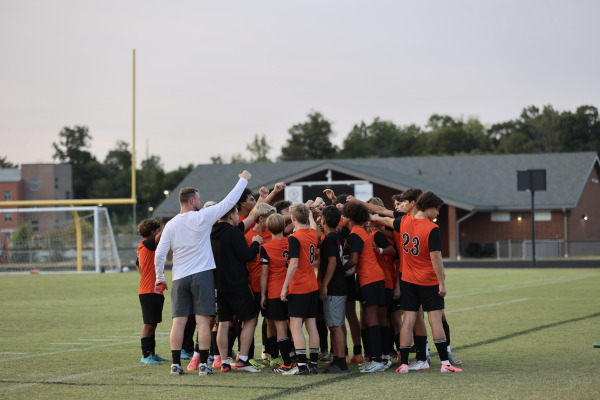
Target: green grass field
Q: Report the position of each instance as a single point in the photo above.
(519, 333)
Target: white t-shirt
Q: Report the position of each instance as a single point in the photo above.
(188, 235)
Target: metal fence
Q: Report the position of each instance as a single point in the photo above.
(547, 249)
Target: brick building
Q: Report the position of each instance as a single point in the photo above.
(482, 204)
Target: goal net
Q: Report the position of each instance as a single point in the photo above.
(57, 239)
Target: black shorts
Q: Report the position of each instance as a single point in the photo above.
(320, 307)
(389, 293)
(240, 304)
(351, 286)
(152, 307)
(257, 308)
(277, 310)
(413, 296)
(373, 294)
(303, 305)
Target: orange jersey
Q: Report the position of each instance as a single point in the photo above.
(418, 268)
(254, 265)
(148, 279)
(275, 253)
(386, 263)
(303, 246)
(367, 269)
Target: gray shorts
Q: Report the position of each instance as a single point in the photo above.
(334, 309)
(193, 294)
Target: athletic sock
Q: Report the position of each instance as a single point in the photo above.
(365, 341)
(197, 354)
(322, 331)
(440, 345)
(244, 358)
(284, 347)
(265, 339)
(385, 340)
(447, 332)
(341, 362)
(146, 347)
(251, 350)
(374, 334)
(404, 352)
(301, 354)
(421, 346)
(203, 356)
(346, 353)
(196, 348)
(153, 344)
(176, 354)
(314, 355)
(273, 349)
(357, 350)
(231, 334)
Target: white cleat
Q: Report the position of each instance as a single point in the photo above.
(453, 359)
(417, 365)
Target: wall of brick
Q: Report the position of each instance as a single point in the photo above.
(589, 204)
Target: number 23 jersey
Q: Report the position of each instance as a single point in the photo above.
(303, 246)
(419, 237)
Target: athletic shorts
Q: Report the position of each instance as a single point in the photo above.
(335, 311)
(389, 293)
(373, 294)
(240, 304)
(303, 305)
(193, 294)
(152, 307)
(320, 307)
(277, 310)
(257, 308)
(395, 304)
(413, 296)
(351, 286)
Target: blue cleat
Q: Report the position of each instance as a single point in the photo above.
(159, 358)
(185, 356)
(150, 360)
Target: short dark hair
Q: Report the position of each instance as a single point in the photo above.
(340, 199)
(228, 213)
(411, 194)
(356, 212)
(397, 197)
(429, 200)
(186, 194)
(146, 227)
(282, 205)
(331, 216)
(244, 197)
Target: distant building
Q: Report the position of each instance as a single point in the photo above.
(482, 204)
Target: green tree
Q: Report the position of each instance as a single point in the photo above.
(71, 150)
(238, 159)
(579, 131)
(216, 160)
(4, 163)
(309, 140)
(375, 140)
(259, 148)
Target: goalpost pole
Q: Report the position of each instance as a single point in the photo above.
(78, 240)
(96, 240)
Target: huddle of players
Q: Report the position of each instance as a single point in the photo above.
(271, 270)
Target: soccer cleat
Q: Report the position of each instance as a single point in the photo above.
(150, 360)
(265, 356)
(283, 368)
(449, 368)
(193, 365)
(217, 363)
(387, 363)
(176, 370)
(225, 367)
(403, 369)
(321, 355)
(276, 361)
(327, 357)
(359, 359)
(159, 358)
(204, 370)
(348, 360)
(373, 366)
(211, 359)
(312, 368)
(246, 366)
(231, 362)
(297, 371)
(184, 355)
(453, 359)
(256, 363)
(418, 365)
(336, 370)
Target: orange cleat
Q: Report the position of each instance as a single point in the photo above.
(449, 368)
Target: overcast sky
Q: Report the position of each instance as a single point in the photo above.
(212, 74)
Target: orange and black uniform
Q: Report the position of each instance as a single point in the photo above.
(370, 275)
(275, 254)
(419, 285)
(254, 266)
(303, 291)
(386, 263)
(152, 303)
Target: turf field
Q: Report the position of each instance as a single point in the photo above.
(520, 334)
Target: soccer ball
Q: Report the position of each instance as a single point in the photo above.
(352, 270)
(125, 269)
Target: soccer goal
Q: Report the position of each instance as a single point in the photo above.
(57, 239)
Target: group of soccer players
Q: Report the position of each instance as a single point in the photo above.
(262, 258)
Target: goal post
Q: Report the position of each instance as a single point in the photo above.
(57, 239)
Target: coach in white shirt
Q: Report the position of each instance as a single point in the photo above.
(193, 290)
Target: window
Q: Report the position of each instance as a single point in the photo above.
(7, 217)
(7, 195)
(67, 195)
(55, 183)
(543, 216)
(34, 188)
(500, 216)
(34, 181)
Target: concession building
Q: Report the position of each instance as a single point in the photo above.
(483, 215)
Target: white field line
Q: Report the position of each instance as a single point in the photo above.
(485, 305)
(519, 287)
(9, 352)
(69, 343)
(100, 340)
(66, 378)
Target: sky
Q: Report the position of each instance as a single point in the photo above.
(210, 75)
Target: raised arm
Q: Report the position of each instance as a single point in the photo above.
(278, 188)
(212, 214)
(374, 208)
(385, 221)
